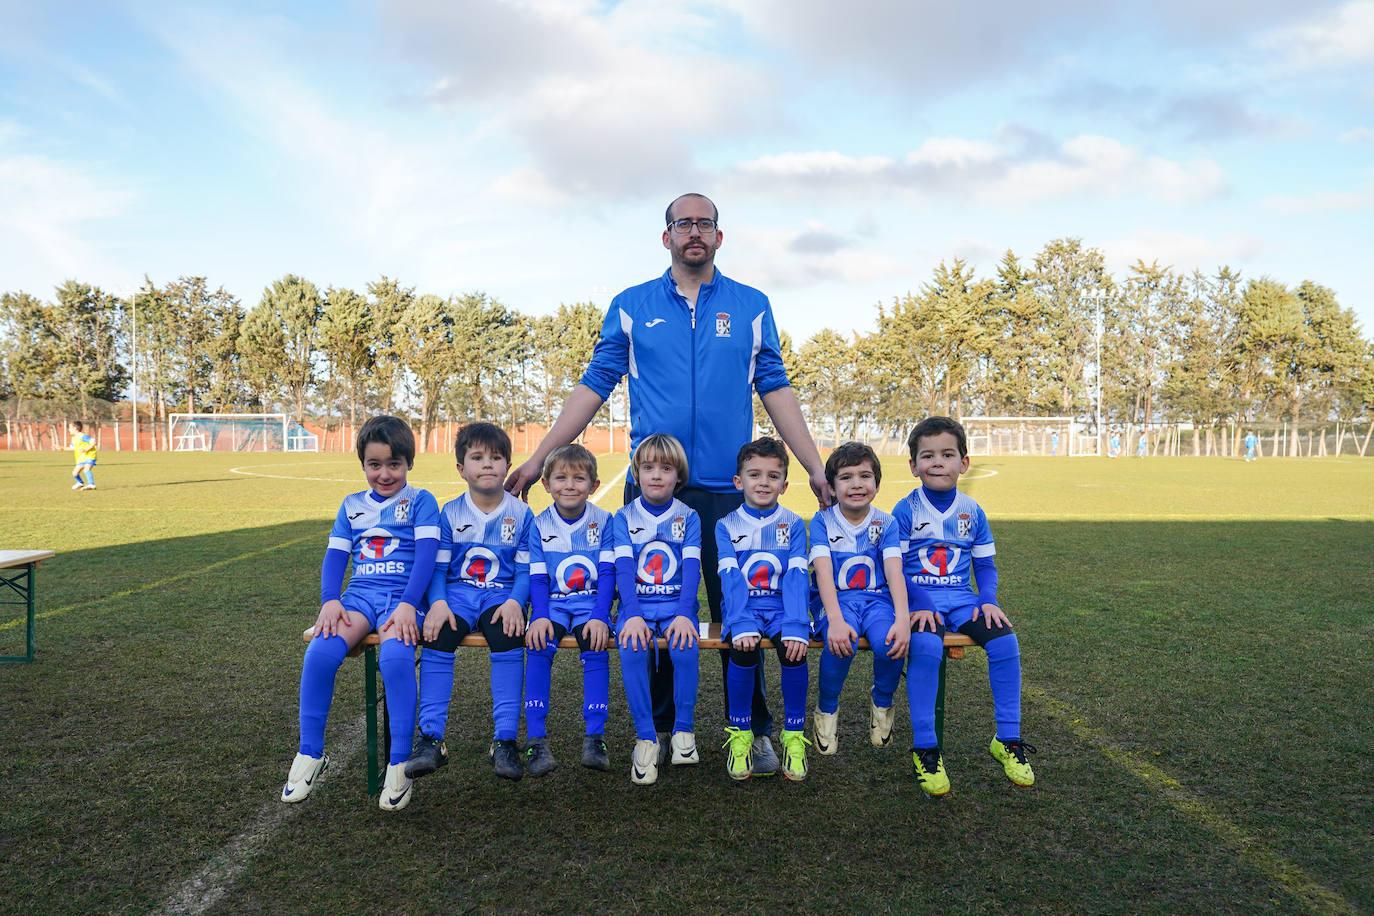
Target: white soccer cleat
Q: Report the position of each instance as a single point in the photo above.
(396, 788)
(304, 771)
(89, 486)
(78, 485)
(880, 724)
(685, 749)
(644, 763)
(826, 726)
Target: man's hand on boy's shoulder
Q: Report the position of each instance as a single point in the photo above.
(993, 614)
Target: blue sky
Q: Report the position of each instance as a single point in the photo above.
(528, 149)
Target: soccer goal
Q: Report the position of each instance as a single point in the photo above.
(238, 432)
(1049, 436)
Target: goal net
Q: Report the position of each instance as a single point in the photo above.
(238, 432)
(1049, 436)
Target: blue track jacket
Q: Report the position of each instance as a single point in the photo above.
(693, 381)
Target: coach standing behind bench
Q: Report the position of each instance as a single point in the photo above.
(696, 346)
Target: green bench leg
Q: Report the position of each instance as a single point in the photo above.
(20, 581)
(374, 782)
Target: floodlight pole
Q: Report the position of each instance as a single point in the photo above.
(1097, 295)
(133, 361)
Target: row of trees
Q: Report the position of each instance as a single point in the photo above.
(1205, 349)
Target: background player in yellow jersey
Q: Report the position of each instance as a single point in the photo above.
(83, 449)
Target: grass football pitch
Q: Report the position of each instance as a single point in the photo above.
(1197, 657)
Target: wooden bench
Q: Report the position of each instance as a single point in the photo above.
(379, 739)
(16, 575)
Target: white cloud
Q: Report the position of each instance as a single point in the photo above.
(1358, 135)
(1323, 201)
(1182, 251)
(1336, 38)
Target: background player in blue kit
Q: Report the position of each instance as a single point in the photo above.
(944, 535)
(763, 584)
(481, 581)
(657, 570)
(391, 533)
(572, 585)
(1251, 442)
(857, 562)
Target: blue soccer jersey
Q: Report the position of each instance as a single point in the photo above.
(856, 552)
(569, 554)
(482, 560)
(380, 537)
(657, 546)
(938, 549)
(763, 580)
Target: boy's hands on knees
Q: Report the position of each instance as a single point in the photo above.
(841, 637)
(332, 618)
(402, 624)
(539, 633)
(795, 649)
(634, 634)
(745, 643)
(898, 638)
(439, 614)
(681, 633)
(511, 616)
(994, 616)
(598, 635)
(923, 621)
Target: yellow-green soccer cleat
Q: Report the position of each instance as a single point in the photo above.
(930, 770)
(1012, 755)
(739, 745)
(826, 726)
(794, 755)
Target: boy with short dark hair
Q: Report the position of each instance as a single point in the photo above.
(390, 532)
(762, 549)
(481, 582)
(572, 586)
(945, 537)
(857, 562)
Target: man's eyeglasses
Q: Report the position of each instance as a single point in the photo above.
(684, 226)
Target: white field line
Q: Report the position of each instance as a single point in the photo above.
(208, 887)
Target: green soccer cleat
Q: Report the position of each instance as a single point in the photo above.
(1012, 755)
(826, 726)
(794, 755)
(739, 758)
(930, 770)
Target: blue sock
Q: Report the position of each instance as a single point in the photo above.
(90, 477)
(686, 672)
(397, 663)
(739, 688)
(1004, 677)
(538, 680)
(794, 687)
(507, 689)
(596, 690)
(830, 681)
(922, 683)
(887, 672)
(634, 673)
(436, 689)
(322, 660)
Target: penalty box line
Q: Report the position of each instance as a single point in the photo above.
(218, 564)
(1309, 892)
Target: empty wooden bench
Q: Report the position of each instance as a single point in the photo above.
(379, 738)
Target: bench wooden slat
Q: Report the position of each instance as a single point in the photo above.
(709, 634)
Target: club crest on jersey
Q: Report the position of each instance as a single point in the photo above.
(507, 530)
(784, 534)
(875, 531)
(722, 324)
(401, 510)
(965, 524)
(679, 527)
(593, 534)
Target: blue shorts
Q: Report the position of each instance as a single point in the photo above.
(375, 606)
(568, 620)
(767, 622)
(955, 618)
(860, 611)
(467, 604)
